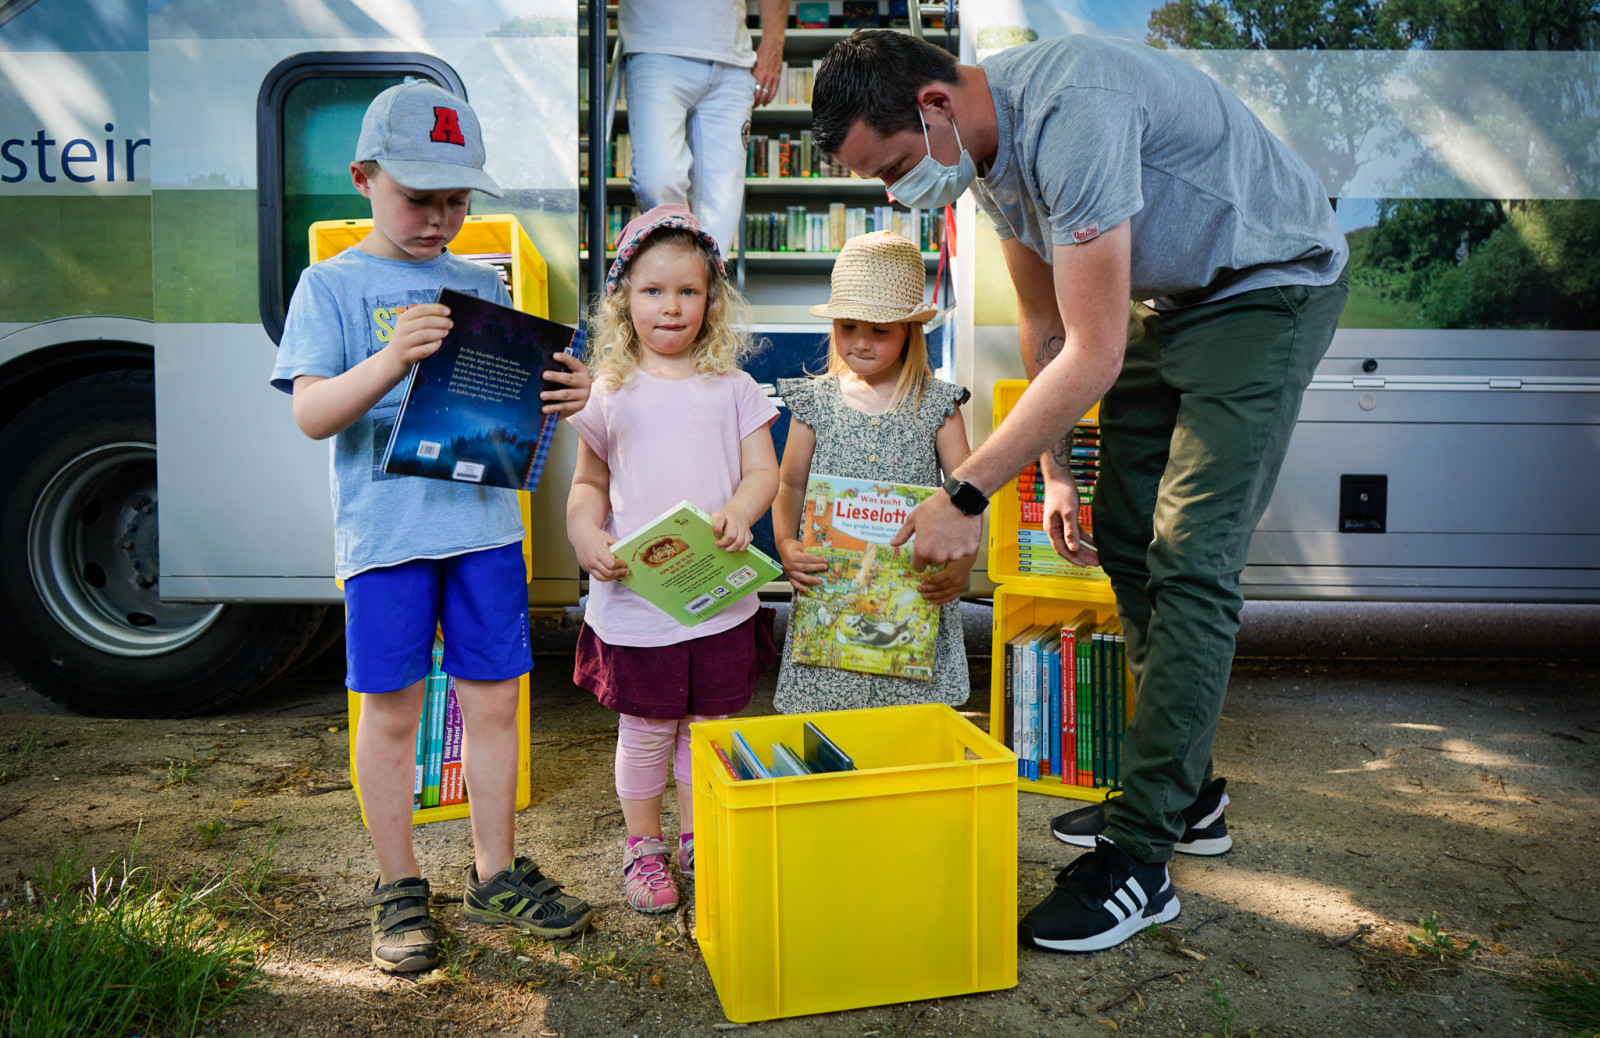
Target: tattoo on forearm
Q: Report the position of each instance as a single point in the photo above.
(1049, 348)
(1061, 451)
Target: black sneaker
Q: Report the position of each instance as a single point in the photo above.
(1100, 900)
(521, 896)
(1205, 831)
(404, 939)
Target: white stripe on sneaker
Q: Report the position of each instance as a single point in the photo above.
(1128, 901)
(1213, 816)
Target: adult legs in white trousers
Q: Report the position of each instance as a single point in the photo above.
(688, 120)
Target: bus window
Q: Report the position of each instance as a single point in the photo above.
(308, 116)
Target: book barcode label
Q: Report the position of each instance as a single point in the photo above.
(468, 472)
(696, 605)
(428, 449)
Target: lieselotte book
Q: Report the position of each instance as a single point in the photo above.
(675, 565)
(867, 614)
(472, 412)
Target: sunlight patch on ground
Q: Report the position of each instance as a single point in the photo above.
(1308, 903)
(1419, 727)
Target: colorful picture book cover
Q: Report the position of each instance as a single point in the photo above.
(472, 412)
(675, 565)
(867, 614)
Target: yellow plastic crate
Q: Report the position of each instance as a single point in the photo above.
(439, 814)
(1005, 513)
(1018, 607)
(891, 883)
(498, 232)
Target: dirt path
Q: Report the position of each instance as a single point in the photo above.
(1367, 793)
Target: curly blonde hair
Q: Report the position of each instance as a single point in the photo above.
(723, 342)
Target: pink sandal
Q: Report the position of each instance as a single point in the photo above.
(644, 872)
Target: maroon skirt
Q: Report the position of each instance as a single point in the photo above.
(711, 675)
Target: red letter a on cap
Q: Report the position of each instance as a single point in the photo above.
(446, 129)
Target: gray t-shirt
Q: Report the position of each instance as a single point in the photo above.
(342, 312)
(1096, 131)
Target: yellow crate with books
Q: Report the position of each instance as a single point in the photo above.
(497, 239)
(1060, 691)
(1019, 552)
(916, 848)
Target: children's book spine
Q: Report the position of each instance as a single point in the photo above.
(1068, 660)
(433, 710)
(422, 755)
(1097, 686)
(1085, 720)
(452, 789)
(1119, 704)
(1009, 701)
(1053, 722)
(1030, 661)
(1019, 705)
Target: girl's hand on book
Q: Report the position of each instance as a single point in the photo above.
(594, 555)
(733, 533)
(418, 331)
(799, 566)
(945, 583)
(576, 378)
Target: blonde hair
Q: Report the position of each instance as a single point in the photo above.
(614, 349)
(914, 368)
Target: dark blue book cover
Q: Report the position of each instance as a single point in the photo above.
(472, 412)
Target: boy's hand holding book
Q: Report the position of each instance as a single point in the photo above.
(799, 566)
(593, 547)
(576, 378)
(417, 333)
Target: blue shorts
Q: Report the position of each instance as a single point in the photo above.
(479, 598)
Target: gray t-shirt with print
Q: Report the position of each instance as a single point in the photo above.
(342, 312)
(1096, 131)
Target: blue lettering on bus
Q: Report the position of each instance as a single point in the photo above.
(79, 159)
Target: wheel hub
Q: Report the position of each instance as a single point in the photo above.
(94, 554)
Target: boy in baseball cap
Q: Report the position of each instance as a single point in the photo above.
(416, 554)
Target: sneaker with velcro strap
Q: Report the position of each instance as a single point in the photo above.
(404, 939)
(1100, 900)
(1205, 830)
(524, 897)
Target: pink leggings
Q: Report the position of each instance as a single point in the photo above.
(643, 744)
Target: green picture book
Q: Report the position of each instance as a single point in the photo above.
(675, 565)
(867, 614)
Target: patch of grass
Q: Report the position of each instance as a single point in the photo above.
(1430, 941)
(13, 768)
(1221, 1010)
(209, 831)
(1569, 994)
(179, 771)
(118, 953)
(609, 964)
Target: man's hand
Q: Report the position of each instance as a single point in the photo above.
(418, 332)
(768, 67)
(944, 533)
(593, 547)
(1061, 519)
(576, 378)
(798, 565)
(945, 583)
(733, 533)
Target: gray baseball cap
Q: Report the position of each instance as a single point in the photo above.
(426, 138)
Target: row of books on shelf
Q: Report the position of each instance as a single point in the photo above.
(786, 156)
(817, 754)
(1066, 701)
(852, 14)
(1035, 553)
(800, 229)
(440, 781)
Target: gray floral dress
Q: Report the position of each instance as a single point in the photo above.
(897, 447)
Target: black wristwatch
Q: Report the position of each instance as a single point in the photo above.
(966, 497)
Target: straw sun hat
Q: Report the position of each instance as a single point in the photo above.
(878, 277)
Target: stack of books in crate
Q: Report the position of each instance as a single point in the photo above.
(1066, 701)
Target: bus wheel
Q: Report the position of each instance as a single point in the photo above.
(80, 568)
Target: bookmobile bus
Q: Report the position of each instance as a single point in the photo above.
(161, 162)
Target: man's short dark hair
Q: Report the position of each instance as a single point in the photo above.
(873, 75)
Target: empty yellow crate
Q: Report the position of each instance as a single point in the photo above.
(891, 883)
(1005, 513)
(1019, 607)
(439, 814)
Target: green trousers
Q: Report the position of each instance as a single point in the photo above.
(1193, 435)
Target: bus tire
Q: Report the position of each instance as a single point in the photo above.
(83, 622)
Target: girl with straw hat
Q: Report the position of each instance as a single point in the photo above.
(878, 413)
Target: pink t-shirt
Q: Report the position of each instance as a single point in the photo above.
(666, 441)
